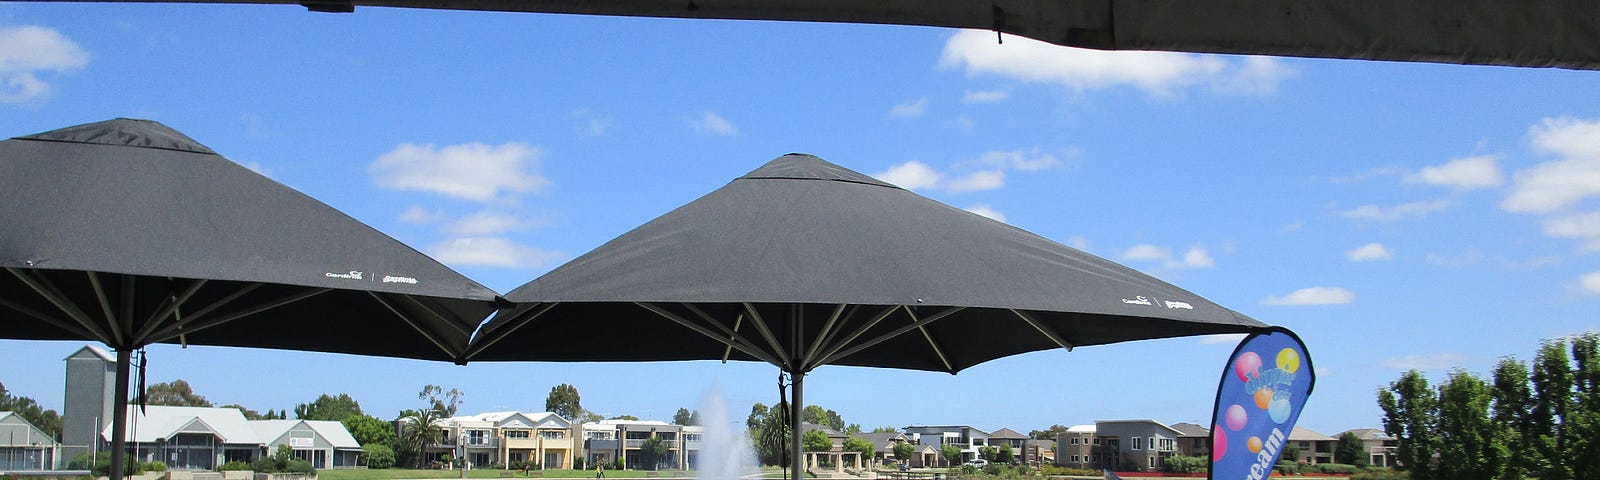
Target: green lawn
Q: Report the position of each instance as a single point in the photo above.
(409, 474)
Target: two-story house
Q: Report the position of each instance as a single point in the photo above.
(967, 438)
(1139, 445)
(542, 439)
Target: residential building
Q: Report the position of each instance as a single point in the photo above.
(1017, 441)
(925, 456)
(500, 439)
(1314, 447)
(1137, 445)
(884, 443)
(323, 443)
(1193, 440)
(608, 441)
(24, 446)
(1077, 447)
(836, 457)
(1044, 449)
(968, 439)
(1380, 447)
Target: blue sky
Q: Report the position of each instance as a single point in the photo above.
(1395, 215)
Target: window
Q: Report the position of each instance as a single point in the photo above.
(516, 434)
(1074, 440)
(475, 437)
(1097, 440)
(1152, 443)
(552, 434)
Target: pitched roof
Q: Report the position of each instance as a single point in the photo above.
(881, 440)
(1186, 429)
(93, 350)
(334, 433)
(1300, 434)
(161, 422)
(1368, 434)
(806, 427)
(1007, 434)
(1081, 429)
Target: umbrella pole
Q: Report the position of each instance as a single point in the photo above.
(796, 449)
(119, 418)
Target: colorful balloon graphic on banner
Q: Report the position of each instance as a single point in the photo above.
(1258, 404)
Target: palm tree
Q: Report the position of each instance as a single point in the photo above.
(419, 432)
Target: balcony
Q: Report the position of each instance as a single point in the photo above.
(636, 443)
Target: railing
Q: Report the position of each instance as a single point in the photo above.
(636, 443)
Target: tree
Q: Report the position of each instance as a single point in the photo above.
(885, 429)
(564, 401)
(418, 432)
(378, 455)
(772, 436)
(1469, 447)
(816, 441)
(1581, 426)
(630, 418)
(248, 413)
(176, 393)
(686, 417)
(951, 454)
(1291, 452)
(1048, 433)
(868, 451)
(987, 453)
(852, 429)
(369, 430)
(903, 451)
(815, 414)
(44, 419)
(757, 412)
(1513, 415)
(1408, 406)
(441, 401)
(328, 408)
(1552, 394)
(1350, 450)
(653, 451)
(1004, 454)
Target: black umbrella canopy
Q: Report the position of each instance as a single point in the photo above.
(803, 263)
(130, 233)
(1528, 33)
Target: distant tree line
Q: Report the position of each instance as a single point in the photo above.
(1528, 421)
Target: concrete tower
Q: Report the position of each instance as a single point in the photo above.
(91, 381)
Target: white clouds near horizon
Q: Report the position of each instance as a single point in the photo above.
(985, 96)
(1564, 182)
(1078, 69)
(1312, 296)
(468, 171)
(987, 211)
(710, 122)
(1395, 213)
(1370, 252)
(492, 252)
(1590, 283)
(27, 51)
(910, 109)
(987, 172)
(1194, 257)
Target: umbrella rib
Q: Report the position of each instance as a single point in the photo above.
(931, 343)
(728, 350)
(824, 336)
(47, 290)
(1052, 335)
(195, 325)
(105, 306)
(53, 321)
(752, 351)
(166, 332)
(827, 357)
(733, 334)
(413, 323)
(170, 307)
(885, 337)
(503, 333)
(761, 326)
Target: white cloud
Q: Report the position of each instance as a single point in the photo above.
(1370, 252)
(912, 175)
(469, 171)
(977, 181)
(910, 109)
(1590, 283)
(710, 122)
(486, 223)
(493, 252)
(1397, 212)
(987, 211)
(1022, 160)
(1313, 296)
(1425, 362)
(1291, 228)
(1195, 257)
(591, 124)
(1566, 181)
(985, 96)
(27, 51)
(1582, 226)
(1465, 259)
(1158, 73)
(1078, 242)
(1471, 173)
(1226, 338)
(421, 216)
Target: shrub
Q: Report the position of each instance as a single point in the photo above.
(577, 463)
(233, 466)
(1336, 468)
(1288, 468)
(1380, 474)
(1195, 464)
(379, 456)
(1055, 471)
(156, 466)
(299, 466)
(102, 465)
